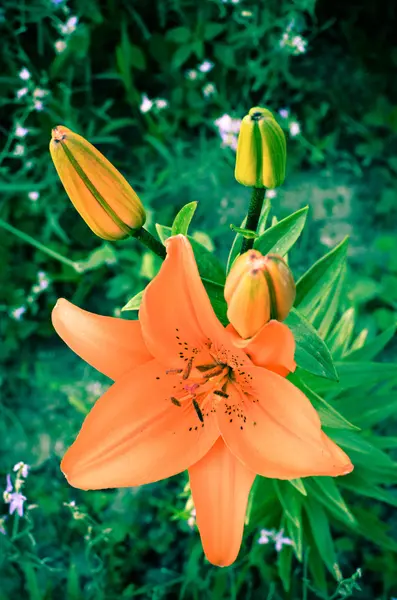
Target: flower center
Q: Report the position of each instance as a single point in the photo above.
(206, 380)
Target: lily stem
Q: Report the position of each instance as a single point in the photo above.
(150, 241)
(29, 240)
(254, 213)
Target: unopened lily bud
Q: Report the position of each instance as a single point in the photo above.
(101, 195)
(258, 288)
(261, 150)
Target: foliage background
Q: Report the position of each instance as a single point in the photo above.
(342, 92)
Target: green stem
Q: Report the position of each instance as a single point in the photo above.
(15, 526)
(29, 240)
(150, 241)
(254, 213)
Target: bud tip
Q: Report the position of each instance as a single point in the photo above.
(58, 134)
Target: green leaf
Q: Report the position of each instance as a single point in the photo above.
(212, 30)
(315, 563)
(179, 35)
(137, 57)
(134, 303)
(341, 335)
(311, 353)
(369, 410)
(359, 341)
(372, 528)
(370, 350)
(235, 248)
(313, 288)
(284, 565)
(264, 215)
(298, 485)
(181, 55)
(215, 293)
(246, 233)
(282, 236)
(183, 218)
(208, 265)
(319, 525)
(104, 255)
(373, 463)
(236, 245)
(291, 502)
(329, 416)
(325, 490)
(359, 485)
(355, 374)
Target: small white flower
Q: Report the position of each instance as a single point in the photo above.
(22, 92)
(191, 74)
(235, 1)
(192, 519)
(271, 194)
(294, 128)
(146, 104)
(209, 90)
(70, 26)
(266, 536)
(95, 388)
(280, 541)
(284, 113)
(284, 40)
(38, 105)
(23, 468)
(299, 44)
(2, 528)
(17, 313)
(161, 103)
(19, 150)
(24, 74)
(224, 122)
(206, 66)
(34, 196)
(21, 131)
(60, 46)
(246, 13)
(230, 140)
(39, 93)
(228, 130)
(44, 280)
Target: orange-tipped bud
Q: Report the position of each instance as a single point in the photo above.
(101, 195)
(258, 288)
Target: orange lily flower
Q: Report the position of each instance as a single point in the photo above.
(190, 394)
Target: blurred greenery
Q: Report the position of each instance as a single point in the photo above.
(127, 76)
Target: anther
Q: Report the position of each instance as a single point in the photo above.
(188, 369)
(198, 411)
(220, 393)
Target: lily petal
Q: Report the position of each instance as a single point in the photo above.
(112, 346)
(135, 434)
(176, 309)
(220, 487)
(281, 436)
(273, 347)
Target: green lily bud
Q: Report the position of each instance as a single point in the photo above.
(261, 150)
